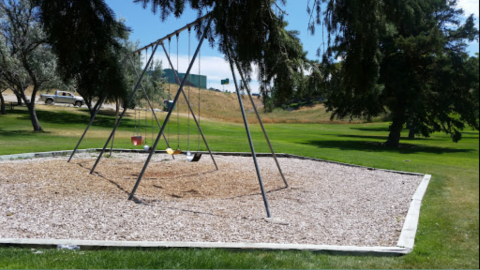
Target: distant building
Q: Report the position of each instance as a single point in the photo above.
(192, 80)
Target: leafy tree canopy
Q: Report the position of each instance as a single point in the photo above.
(85, 36)
(407, 58)
(25, 58)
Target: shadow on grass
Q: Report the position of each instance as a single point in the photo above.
(372, 129)
(68, 118)
(20, 133)
(383, 138)
(369, 146)
(387, 131)
(111, 113)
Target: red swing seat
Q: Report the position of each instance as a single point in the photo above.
(137, 140)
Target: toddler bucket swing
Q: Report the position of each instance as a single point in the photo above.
(146, 147)
(136, 139)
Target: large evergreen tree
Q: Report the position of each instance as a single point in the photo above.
(282, 75)
(85, 36)
(407, 58)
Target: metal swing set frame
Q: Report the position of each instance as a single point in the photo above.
(232, 62)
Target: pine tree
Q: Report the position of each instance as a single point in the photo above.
(85, 36)
(407, 58)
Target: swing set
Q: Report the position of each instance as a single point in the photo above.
(190, 157)
(138, 139)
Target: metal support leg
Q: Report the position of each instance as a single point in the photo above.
(260, 121)
(150, 104)
(252, 148)
(88, 127)
(132, 194)
(190, 107)
(124, 111)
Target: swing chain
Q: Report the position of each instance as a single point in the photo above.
(135, 131)
(199, 96)
(188, 132)
(178, 107)
(178, 82)
(145, 126)
(146, 67)
(152, 63)
(169, 85)
(153, 128)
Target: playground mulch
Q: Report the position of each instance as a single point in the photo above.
(326, 204)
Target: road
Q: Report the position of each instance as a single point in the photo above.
(13, 98)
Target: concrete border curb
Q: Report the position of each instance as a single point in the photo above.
(405, 244)
(43, 154)
(409, 231)
(87, 244)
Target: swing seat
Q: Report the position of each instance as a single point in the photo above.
(190, 156)
(197, 157)
(193, 158)
(172, 152)
(137, 140)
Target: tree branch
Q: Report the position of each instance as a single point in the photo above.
(281, 10)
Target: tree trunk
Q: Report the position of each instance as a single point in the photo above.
(2, 104)
(117, 108)
(395, 134)
(90, 108)
(31, 110)
(412, 133)
(92, 111)
(19, 100)
(412, 129)
(399, 119)
(33, 117)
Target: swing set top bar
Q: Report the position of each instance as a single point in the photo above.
(188, 26)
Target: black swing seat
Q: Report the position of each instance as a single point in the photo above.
(197, 157)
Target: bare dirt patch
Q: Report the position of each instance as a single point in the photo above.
(179, 201)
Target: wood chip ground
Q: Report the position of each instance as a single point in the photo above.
(327, 204)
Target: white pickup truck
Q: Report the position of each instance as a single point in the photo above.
(62, 97)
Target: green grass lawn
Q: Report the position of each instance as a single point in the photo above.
(448, 232)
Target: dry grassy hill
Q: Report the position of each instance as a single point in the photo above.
(219, 106)
(225, 107)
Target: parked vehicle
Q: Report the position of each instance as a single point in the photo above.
(62, 97)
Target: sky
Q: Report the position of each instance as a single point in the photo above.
(148, 27)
